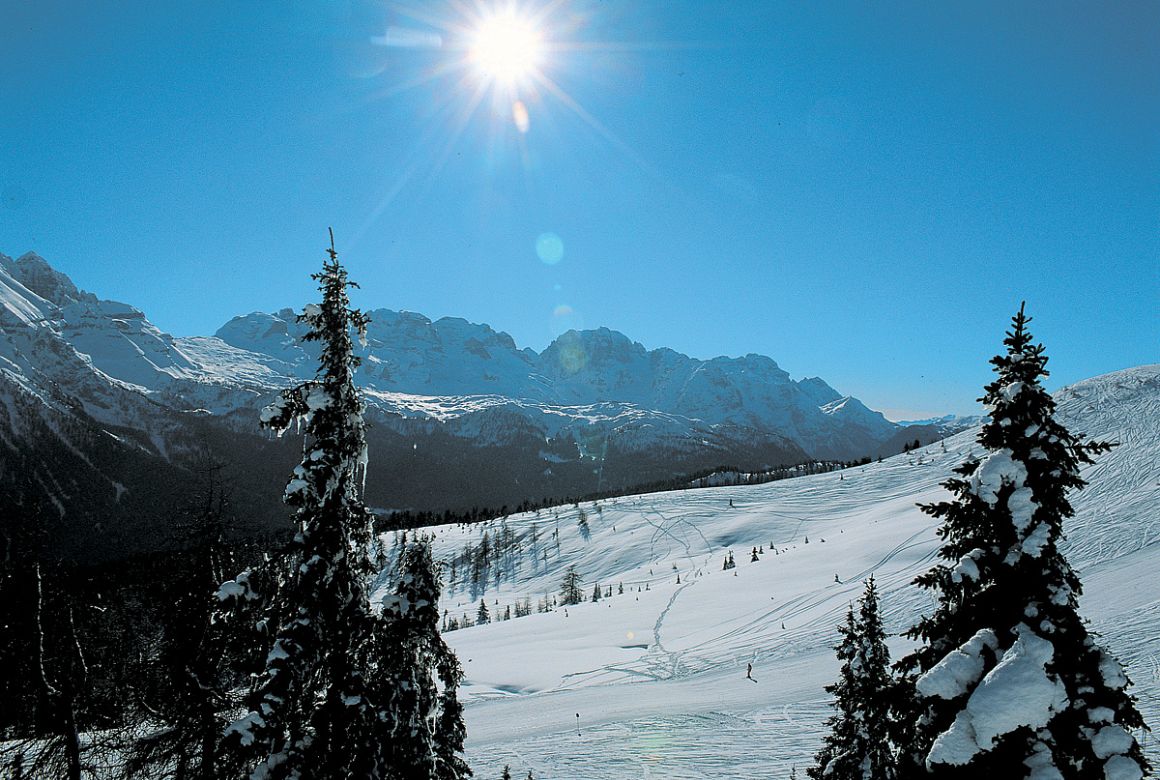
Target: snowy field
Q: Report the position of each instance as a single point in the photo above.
(658, 676)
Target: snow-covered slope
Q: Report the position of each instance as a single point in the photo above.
(657, 676)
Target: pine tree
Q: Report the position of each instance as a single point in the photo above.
(858, 745)
(482, 616)
(596, 592)
(450, 731)
(423, 726)
(570, 592)
(310, 712)
(1009, 681)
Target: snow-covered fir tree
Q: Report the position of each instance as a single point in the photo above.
(423, 726)
(482, 616)
(327, 701)
(450, 731)
(312, 709)
(1009, 682)
(858, 744)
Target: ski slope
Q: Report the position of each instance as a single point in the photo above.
(657, 676)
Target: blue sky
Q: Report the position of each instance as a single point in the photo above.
(862, 191)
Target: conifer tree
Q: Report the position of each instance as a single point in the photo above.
(1009, 682)
(423, 727)
(482, 616)
(858, 745)
(310, 712)
(596, 592)
(570, 592)
(450, 731)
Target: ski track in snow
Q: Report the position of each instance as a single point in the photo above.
(658, 676)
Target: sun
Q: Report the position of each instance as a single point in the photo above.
(505, 48)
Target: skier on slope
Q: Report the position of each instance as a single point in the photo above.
(749, 672)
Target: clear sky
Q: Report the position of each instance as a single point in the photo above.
(862, 191)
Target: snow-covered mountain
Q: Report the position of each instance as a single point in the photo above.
(651, 682)
(410, 354)
(477, 420)
(948, 423)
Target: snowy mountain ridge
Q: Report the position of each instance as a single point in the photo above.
(593, 411)
(408, 353)
(452, 358)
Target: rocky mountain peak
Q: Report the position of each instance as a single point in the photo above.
(34, 272)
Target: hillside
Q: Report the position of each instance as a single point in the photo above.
(657, 676)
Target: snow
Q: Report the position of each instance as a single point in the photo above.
(967, 568)
(230, 590)
(1110, 741)
(658, 676)
(317, 398)
(244, 727)
(1122, 768)
(1009, 391)
(277, 652)
(1112, 671)
(1041, 764)
(1101, 714)
(1018, 692)
(21, 304)
(1022, 507)
(994, 471)
(237, 588)
(1035, 541)
(959, 669)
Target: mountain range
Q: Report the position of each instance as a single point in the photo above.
(113, 425)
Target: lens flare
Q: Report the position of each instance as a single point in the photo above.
(564, 319)
(520, 116)
(550, 248)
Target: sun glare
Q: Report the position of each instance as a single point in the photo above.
(505, 47)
